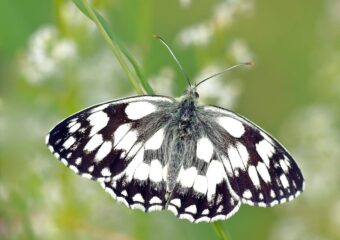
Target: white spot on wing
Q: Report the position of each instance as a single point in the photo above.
(47, 138)
(142, 171)
(138, 206)
(287, 162)
(86, 175)
(254, 176)
(202, 219)
(128, 141)
(176, 202)
(103, 151)
(266, 137)
(235, 158)
(123, 200)
(173, 209)
(155, 200)
(187, 176)
(69, 142)
(51, 148)
(78, 161)
(191, 209)
(242, 150)
(111, 192)
(94, 142)
(227, 165)
(134, 150)
(98, 121)
(247, 194)
(138, 198)
(233, 126)
(265, 150)
(74, 128)
(156, 171)
(137, 110)
(284, 181)
(71, 123)
(204, 149)
(187, 217)
(91, 168)
(74, 168)
(215, 174)
(155, 208)
(284, 165)
(131, 168)
(201, 184)
(219, 209)
(272, 193)
(263, 172)
(120, 132)
(155, 142)
(218, 218)
(205, 212)
(56, 155)
(261, 196)
(106, 172)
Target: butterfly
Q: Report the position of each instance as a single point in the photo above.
(155, 153)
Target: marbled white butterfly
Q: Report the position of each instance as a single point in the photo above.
(156, 152)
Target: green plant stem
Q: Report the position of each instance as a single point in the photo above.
(114, 47)
(219, 230)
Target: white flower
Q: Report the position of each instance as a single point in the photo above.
(76, 20)
(199, 34)
(240, 51)
(224, 13)
(185, 3)
(46, 55)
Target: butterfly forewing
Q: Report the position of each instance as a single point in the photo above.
(99, 142)
(260, 171)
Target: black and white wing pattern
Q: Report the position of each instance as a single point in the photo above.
(202, 192)
(260, 171)
(101, 141)
(154, 153)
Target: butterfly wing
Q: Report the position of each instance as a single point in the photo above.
(260, 170)
(101, 141)
(203, 195)
(142, 185)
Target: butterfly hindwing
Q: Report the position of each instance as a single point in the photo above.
(202, 192)
(100, 141)
(142, 184)
(260, 171)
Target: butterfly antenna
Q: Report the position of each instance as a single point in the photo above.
(225, 70)
(174, 57)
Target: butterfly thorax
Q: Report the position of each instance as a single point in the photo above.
(186, 113)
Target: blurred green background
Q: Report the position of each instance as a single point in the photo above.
(53, 62)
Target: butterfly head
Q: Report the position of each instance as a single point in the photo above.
(191, 93)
